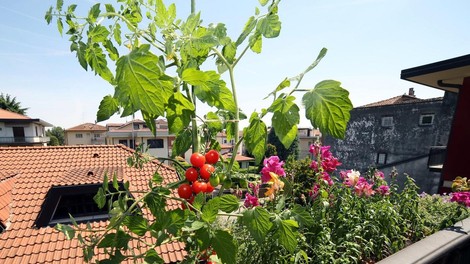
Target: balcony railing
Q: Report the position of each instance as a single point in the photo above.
(23, 140)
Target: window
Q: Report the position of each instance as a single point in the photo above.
(381, 158)
(155, 143)
(136, 126)
(387, 121)
(78, 135)
(76, 200)
(123, 142)
(97, 135)
(426, 119)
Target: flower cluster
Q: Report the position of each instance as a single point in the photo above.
(327, 161)
(461, 198)
(363, 187)
(272, 164)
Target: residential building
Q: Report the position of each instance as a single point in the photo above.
(398, 132)
(452, 76)
(40, 186)
(307, 136)
(85, 134)
(136, 132)
(21, 130)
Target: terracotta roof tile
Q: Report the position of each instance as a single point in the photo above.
(4, 114)
(27, 174)
(401, 99)
(90, 127)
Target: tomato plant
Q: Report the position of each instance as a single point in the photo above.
(185, 191)
(214, 180)
(191, 174)
(197, 160)
(212, 156)
(206, 171)
(199, 186)
(209, 188)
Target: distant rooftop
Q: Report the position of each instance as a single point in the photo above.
(401, 99)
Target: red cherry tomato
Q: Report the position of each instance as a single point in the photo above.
(199, 186)
(209, 188)
(206, 170)
(212, 156)
(191, 174)
(185, 191)
(197, 159)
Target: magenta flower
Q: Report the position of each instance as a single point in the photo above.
(364, 188)
(379, 175)
(461, 198)
(250, 201)
(329, 164)
(272, 164)
(326, 178)
(383, 190)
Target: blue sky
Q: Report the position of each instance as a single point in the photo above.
(369, 42)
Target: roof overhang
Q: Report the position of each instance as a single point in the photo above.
(447, 75)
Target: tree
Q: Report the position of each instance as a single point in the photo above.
(282, 152)
(9, 103)
(58, 134)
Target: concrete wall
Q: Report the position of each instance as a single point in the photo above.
(405, 143)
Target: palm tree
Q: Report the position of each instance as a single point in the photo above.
(10, 104)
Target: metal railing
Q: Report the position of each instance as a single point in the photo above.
(23, 140)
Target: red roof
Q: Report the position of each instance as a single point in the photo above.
(88, 127)
(401, 99)
(4, 114)
(32, 171)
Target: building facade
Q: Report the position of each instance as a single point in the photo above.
(21, 130)
(400, 132)
(85, 134)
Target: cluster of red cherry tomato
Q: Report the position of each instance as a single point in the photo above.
(200, 177)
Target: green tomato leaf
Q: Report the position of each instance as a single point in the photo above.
(182, 142)
(98, 34)
(142, 83)
(97, 61)
(80, 49)
(225, 246)
(152, 257)
(108, 107)
(257, 222)
(100, 198)
(255, 137)
(179, 112)
(156, 204)
(60, 25)
(263, 2)
(117, 34)
(93, 13)
(210, 88)
(213, 121)
(67, 230)
(249, 26)
(285, 119)
(136, 224)
(269, 26)
(210, 210)
(286, 233)
(229, 203)
(301, 215)
(119, 240)
(311, 66)
(256, 43)
(327, 107)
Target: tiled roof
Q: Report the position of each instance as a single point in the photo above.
(87, 127)
(37, 170)
(401, 99)
(4, 114)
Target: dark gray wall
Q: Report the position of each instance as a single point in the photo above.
(406, 143)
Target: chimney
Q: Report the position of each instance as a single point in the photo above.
(411, 92)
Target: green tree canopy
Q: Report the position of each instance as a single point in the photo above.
(282, 152)
(58, 134)
(9, 103)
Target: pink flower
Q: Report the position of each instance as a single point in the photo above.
(383, 190)
(313, 193)
(351, 177)
(364, 188)
(254, 187)
(379, 175)
(326, 178)
(329, 164)
(323, 151)
(461, 198)
(250, 201)
(272, 164)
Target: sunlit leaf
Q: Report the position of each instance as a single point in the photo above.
(286, 233)
(100, 198)
(269, 26)
(97, 61)
(179, 112)
(285, 119)
(68, 231)
(229, 203)
(257, 222)
(136, 224)
(210, 210)
(249, 26)
(108, 107)
(225, 246)
(152, 257)
(327, 107)
(182, 142)
(256, 137)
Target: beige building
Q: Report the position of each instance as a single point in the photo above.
(307, 136)
(21, 130)
(136, 132)
(85, 134)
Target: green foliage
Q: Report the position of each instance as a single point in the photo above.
(281, 151)
(57, 135)
(10, 104)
